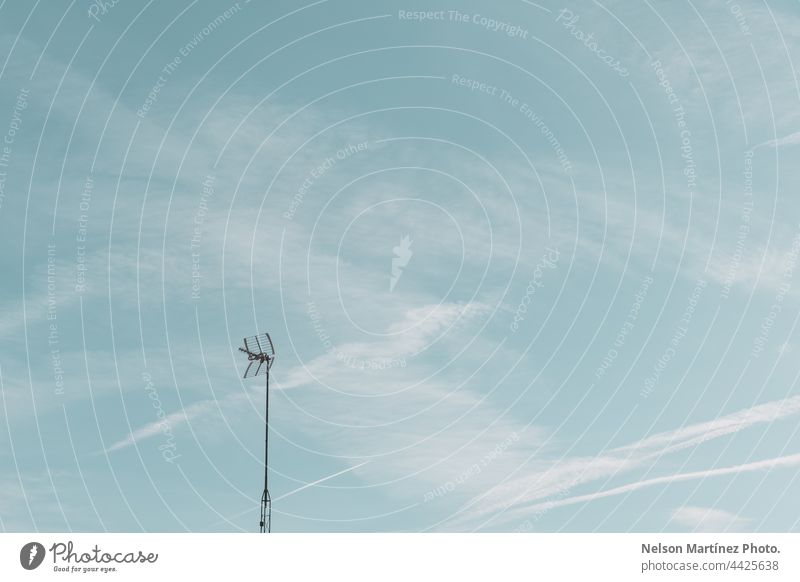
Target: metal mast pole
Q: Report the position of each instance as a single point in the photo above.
(260, 356)
(266, 502)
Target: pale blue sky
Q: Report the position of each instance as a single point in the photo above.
(519, 278)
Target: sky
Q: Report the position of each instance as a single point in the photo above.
(527, 266)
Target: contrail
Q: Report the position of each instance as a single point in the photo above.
(307, 485)
(787, 461)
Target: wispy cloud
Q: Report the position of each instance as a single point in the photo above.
(557, 478)
(707, 519)
(165, 425)
(419, 327)
(791, 139)
(777, 462)
(405, 338)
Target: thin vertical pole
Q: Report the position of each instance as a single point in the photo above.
(266, 502)
(266, 452)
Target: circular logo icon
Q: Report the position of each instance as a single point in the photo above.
(31, 555)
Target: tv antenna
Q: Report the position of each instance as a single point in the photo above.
(261, 354)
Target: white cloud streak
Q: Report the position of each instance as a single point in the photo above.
(707, 519)
(421, 324)
(777, 462)
(558, 477)
(789, 140)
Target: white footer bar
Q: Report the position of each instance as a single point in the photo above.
(401, 557)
